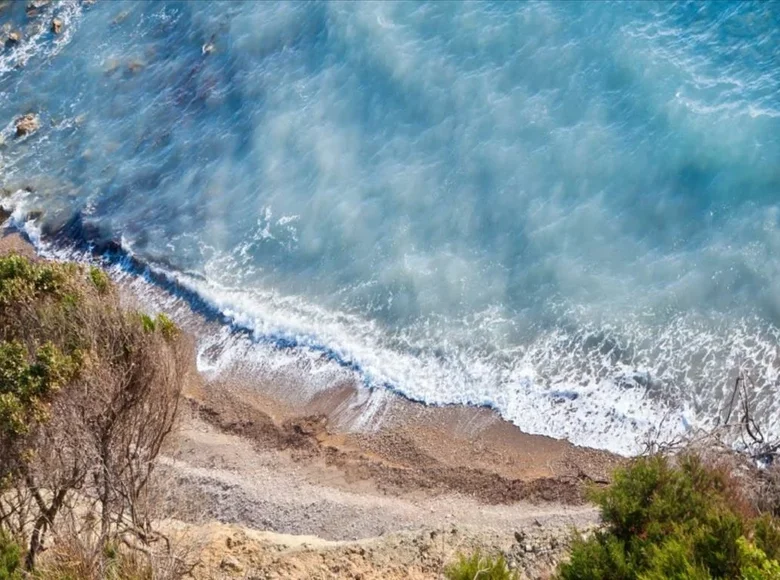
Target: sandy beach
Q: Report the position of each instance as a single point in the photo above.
(276, 485)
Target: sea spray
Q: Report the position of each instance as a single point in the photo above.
(566, 212)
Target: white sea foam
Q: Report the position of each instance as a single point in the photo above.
(476, 203)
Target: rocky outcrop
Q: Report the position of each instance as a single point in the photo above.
(12, 38)
(35, 6)
(27, 124)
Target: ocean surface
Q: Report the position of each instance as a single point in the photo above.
(567, 211)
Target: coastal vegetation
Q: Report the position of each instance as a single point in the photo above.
(479, 566)
(677, 518)
(89, 395)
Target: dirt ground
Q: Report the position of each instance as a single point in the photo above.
(401, 501)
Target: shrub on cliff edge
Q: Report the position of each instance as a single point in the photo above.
(683, 520)
(479, 567)
(89, 393)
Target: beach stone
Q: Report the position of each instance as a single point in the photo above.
(27, 124)
(229, 563)
(56, 26)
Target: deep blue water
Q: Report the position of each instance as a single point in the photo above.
(566, 210)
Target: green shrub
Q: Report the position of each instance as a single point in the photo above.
(26, 385)
(674, 521)
(479, 567)
(10, 559)
(89, 392)
(22, 280)
(99, 279)
(160, 323)
(166, 326)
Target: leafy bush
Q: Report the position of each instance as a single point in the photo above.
(479, 567)
(10, 559)
(25, 385)
(89, 393)
(674, 521)
(99, 279)
(22, 280)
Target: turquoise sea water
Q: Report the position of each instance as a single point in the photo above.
(568, 211)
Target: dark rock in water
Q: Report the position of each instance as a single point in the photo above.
(4, 214)
(134, 66)
(27, 124)
(56, 26)
(209, 46)
(34, 215)
(34, 7)
(13, 38)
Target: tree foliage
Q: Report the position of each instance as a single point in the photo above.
(89, 393)
(674, 520)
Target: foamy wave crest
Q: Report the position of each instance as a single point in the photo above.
(609, 387)
(36, 41)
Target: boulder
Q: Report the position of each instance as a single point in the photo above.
(56, 26)
(34, 7)
(230, 564)
(13, 38)
(27, 124)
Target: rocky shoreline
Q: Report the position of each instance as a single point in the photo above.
(394, 497)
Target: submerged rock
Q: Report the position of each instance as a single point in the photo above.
(27, 124)
(209, 47)
(121, 17)
(13, 38)
(56, 26)
(34, 7)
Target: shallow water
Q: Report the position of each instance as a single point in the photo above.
(567, 211)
